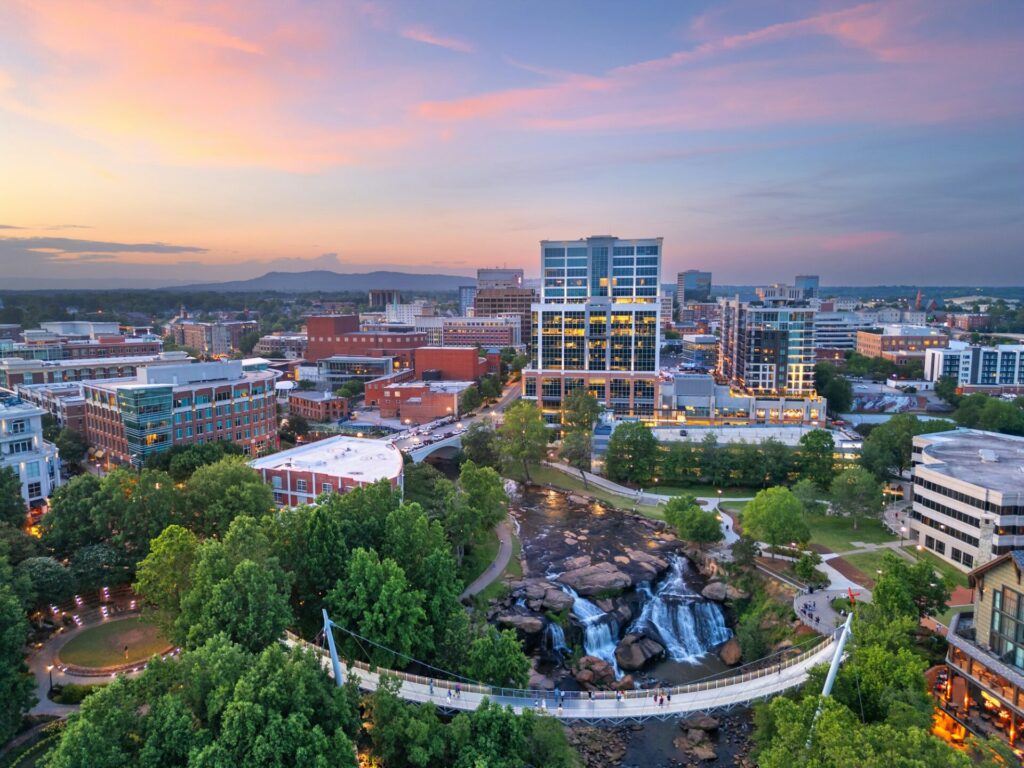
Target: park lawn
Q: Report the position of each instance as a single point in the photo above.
(479, 555)
(957, 577)
(837, 533)
(103, 645)
(869, 563)
(574, 484)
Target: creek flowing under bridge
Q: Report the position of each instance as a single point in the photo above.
(608, 707)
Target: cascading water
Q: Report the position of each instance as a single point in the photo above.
(555, 637)
(600, 630)
(687, 625)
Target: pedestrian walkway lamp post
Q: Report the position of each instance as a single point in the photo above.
(49, 669)
(903, 530)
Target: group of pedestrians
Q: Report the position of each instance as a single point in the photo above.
(448, 691)
(661, 698)
(810, 610)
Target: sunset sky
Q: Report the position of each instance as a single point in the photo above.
(185, 140)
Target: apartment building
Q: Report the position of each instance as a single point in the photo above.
(900, 343)
(22, 448)
(217, 339)
(15, 371)
(126, 420)
(996, 370)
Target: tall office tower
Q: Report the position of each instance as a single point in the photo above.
(693, 285)
(495, 302)
(596, 325)
(499, 278)
(808, 284)
(768, 346)
(467, 296)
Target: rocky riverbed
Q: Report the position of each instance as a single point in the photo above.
(613, 591)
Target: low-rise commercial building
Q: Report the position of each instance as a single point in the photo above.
(288, 346)
(501, 331)
(126, 420)
(900, 343)
(339, 335)
(417, 402)
(214, 339)
(450, 363)
(698, 399)
(65, 402)
(15, 371)
(968, 501)
(983, 690)
(335, 465)
(699, 350)
(22, 448)
(317, 406)
(332, 372)
(59, 348)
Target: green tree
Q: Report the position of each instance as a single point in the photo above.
(548, 745)
(294, 427)
(16, 685)
(72, 447)
(744, 552)
(51, 427)
(577, 451)
(692, 523)
(470, 400)
(946, 388)
(817, 457)
(806, 567)
(580, 410)
(490, 388)
(856, 493)
(632, 453)
(218, 493)
(491, 736)
(522, 437)
(712, 461)
(888, 447)
(72, 520)
(376, 601)
(404, 735)
(480, 444)
(426, 486)
(992, 414)
(50, 581)
(905, 589)
(775, 516)
(808, 492)
(12, 506)
(485, 492)
(497, 658)
(97, 565)
(162, 578)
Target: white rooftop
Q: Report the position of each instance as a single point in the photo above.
(352, 457)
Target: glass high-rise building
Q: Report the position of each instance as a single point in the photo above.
(596, 325)
(693, 286)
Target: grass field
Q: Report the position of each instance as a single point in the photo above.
(868, 562)
(837, 533)
(103, 645)
(479, 555)
(705, 491)
(957, 577)
(573, 484)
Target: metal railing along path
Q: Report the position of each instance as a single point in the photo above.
(604, 706)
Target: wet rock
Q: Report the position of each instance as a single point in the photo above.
(528, 625)
(577, 499)
(621, 560)
(634, 651)
(650, 566)
(580, 561)
(557, 600)
(699, 722)
(594, 579)
(601, 672)
(597, 747)
(731, 653)
(716, 590)
(627, 683)
(622, 613)
(704, 752)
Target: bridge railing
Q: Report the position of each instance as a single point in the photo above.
(531, 694)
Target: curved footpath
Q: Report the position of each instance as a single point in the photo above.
(497, 566)
(634, 706)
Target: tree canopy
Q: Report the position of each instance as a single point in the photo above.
(632, 453)
(522, 438)
(775, 516)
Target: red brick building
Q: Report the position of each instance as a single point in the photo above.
(373, 392)
(340, 335)
(87, 349)
(334, 465)
(317, 406)
(417, 402)
(451, 363)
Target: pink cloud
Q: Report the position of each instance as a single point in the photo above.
(855, 241)
(423, 35)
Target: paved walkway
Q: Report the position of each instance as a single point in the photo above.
(497, 566)
(816, 611)
(634, 706)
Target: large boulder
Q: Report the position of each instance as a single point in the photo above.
(556, 600)
(528, 625)
(716, 590)
(595, 579)
(600, 671)
(731, 653)
(699, 723)
(649, 566)
(634, 651)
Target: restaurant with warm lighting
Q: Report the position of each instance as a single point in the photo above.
(981, 691)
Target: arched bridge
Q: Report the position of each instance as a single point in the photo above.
(723, 693)
(445, 448)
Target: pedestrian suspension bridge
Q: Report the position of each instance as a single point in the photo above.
(452, 693)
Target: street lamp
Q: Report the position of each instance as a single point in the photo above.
(49, 669)
(903, 530)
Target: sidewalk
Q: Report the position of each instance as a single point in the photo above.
(497, 566)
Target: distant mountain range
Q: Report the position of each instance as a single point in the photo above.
(326, 280)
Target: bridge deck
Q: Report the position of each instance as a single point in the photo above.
(635, 706)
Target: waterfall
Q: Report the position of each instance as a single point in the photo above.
(687, 624)
(600, 630)
(555, 637)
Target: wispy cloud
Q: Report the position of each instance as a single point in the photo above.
(423, 35)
